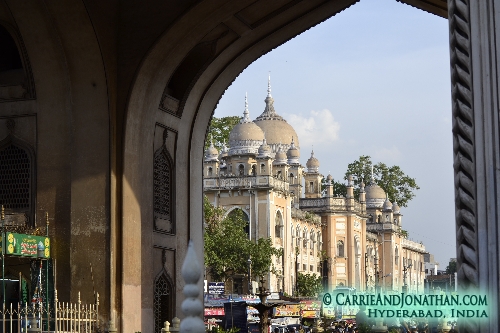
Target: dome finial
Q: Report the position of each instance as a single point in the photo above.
(246, 113)
(269, 85)
(372, 179)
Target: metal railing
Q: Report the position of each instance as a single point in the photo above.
(61, 317)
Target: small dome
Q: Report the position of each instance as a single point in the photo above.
(395, 208)
(293, 154)
(387, 204)
(312, 163)
(211, 154)
(280, 157)
(245, 137)
(375, 196)
(349, 180)
(264, 150)
(329, 178)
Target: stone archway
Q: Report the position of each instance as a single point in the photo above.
(117, 81)
(159, 94)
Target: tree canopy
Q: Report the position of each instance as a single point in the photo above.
(397, 185)
(227, 247)
(219, 130)
(308, 285)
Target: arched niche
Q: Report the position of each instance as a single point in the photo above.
(16, 79)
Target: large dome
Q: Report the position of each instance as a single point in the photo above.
(277, 131)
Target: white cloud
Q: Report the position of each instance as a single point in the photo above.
(316, 128)
(387, 155)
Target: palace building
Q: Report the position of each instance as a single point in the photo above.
(348, 241)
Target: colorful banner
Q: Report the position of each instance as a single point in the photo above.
(288, 310)
(26, 245)
(214, 312)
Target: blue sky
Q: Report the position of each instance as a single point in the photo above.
(373, 80)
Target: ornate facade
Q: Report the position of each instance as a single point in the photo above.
(348, 241)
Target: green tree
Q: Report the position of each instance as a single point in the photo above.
(219, 130)
(309, 285)
(227, 247)
(226, 244)
(397, 185)
(452, 267)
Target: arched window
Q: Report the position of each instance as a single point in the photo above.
(278, 225)
(340, 249)
(297, 233)
(210, 171)
(304, 238)
(311, 187)
(239, 213)
(396, 256)
(312, 240)
(262, 168)
(278, 174)
(163, 302)
(163, 191)
(320, 242)
(254, 170)
(241, 170)
(291, 178)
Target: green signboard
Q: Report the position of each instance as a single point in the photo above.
(27, 245)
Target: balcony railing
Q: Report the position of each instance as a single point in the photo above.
(244, 182)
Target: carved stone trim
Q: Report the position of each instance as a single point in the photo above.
(463, 143)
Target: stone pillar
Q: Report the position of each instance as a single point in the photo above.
(474, 47)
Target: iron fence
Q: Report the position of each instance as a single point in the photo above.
(61, 317)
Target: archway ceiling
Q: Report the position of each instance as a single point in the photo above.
(241, 28)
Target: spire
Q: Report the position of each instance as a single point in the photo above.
(372, 179)
(269, 86)
(246, 113)
(269, 112)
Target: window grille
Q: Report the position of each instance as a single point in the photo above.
(16, 180)
(163, 191)
(163, 301)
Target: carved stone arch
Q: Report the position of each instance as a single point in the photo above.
(18, 84)
(163, 300)
(163, 192)
(148, 91)
(18, 158)
(246, 216)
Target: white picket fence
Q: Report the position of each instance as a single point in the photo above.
(63, 317)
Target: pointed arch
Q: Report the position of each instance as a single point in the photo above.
(163, 191)
(163, 300)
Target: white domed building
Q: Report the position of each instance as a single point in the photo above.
(347, 241)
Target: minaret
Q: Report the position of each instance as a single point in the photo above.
(211, 161)
(313, 178)
(362, 197)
